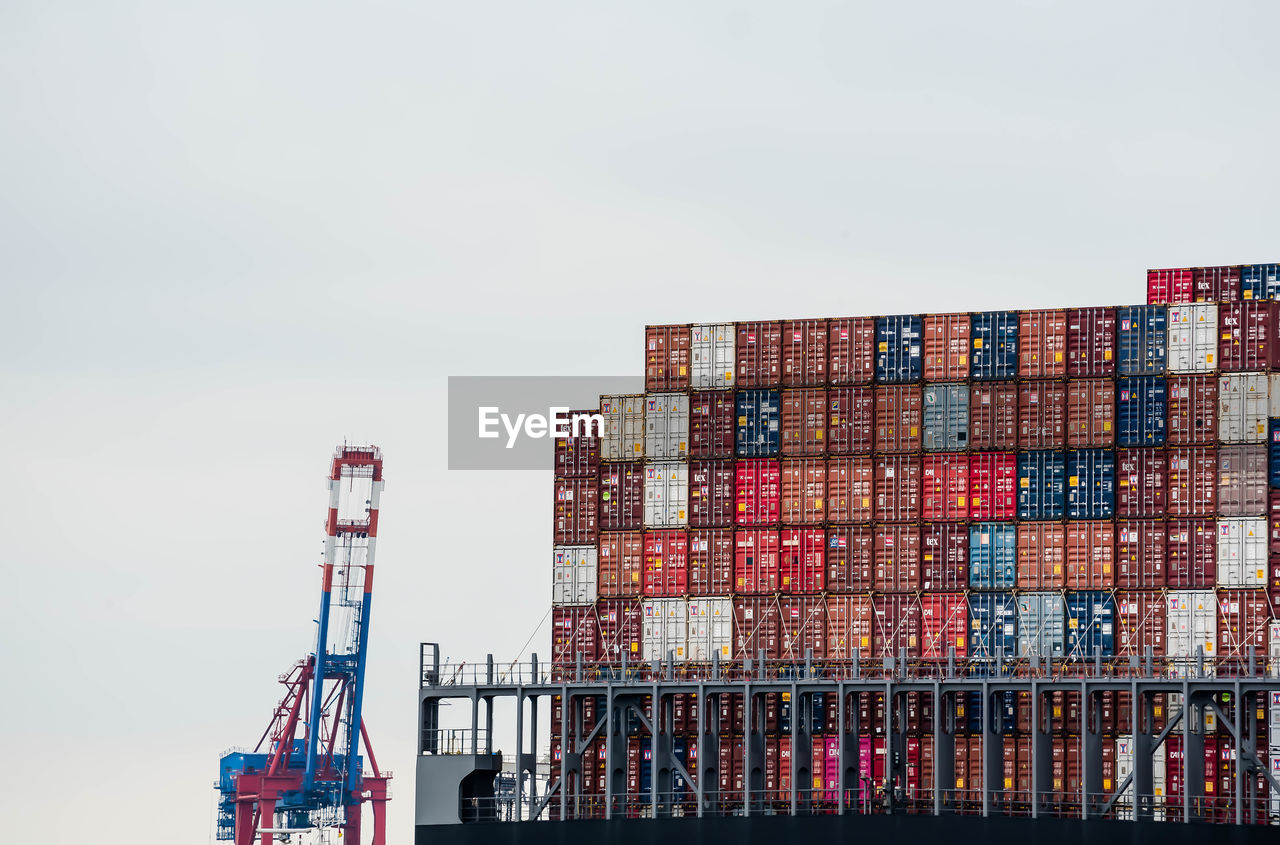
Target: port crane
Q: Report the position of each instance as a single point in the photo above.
(306, 772)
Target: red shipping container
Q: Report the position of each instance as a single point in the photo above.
(711, 424)
(1091, 342)
(804, 353)
(667, 358)
(1215, 284)
(1141, 552)
(1193, 481)
(573, 633)
(993, 415)
(804, 490)
(1170, 287)
(851, 350)
(897, 558)
(1042, 344)
(1247, 335)
(804, 627)
(1243, 619)
(897, 487)
(944, 556)
(896, 626)
(1091, 413)
(849, 627)
(993, 486)
(1091, 551)
(1141, 483)
(578, 457)
(945, 486)
(1042, 555)
(755, 561)
(621, 562)
(850, 420)
(803, 564)
(849, 489)
(946, 347)
(804, 422)
(1192, 403)
(757, 626)
(666, 563)
(850, 558)
(1042, 415)
(711, 493)
(1193, 553)
(759, 354)
(619, 622)
(758, 492)
(621, 496)
(711, 561)
(576, 510)
(944, 625)
(899, 417)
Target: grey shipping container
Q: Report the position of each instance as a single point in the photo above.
(1041, 625)
(1242, 480)
(946, 417)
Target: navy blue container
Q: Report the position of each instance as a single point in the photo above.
(759, 434)
(993, 625)
(1006, 718)
(899, 356)
(1042, 485)
(1140, 409)
(680, 750)
(993, 336)
(1142, 339)
(1273, 454)
(646, 766)
(993, 556)
(1260, 281)
(1091, 624)
(1091, 484)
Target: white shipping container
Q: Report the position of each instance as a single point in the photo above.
(1193, 338)
(1242, 552)
(666, 494)
(710, 629)
(1192, 622)
(665, 629)
(666, 426)
(1273, 648)
(1124, 765)
(574, 575)
(1242, 408)
(1273, 756)
(1273, 714)
(623, 428)
(712, 354)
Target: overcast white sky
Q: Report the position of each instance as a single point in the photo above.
(233, 233)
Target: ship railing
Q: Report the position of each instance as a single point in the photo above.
(455, 741)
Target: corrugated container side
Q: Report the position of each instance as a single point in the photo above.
(851, 419)
(1042, 562)
(1091, 484)
(804, 490)
(576, 512)
(897, 488)
(1141, 408)
(804, 628)
(758, 433)
(1193, 481)
(1140, 622)
(946, 417)
(899, 418)
(710, 629)
(756, 565)
(1193, 410)
(666, 563)
(622, 496)
(665, 630)
(620, 624)
(899, 356)
(757, 627)
(993, 625)
(1259, 281)
(1193, 338)
(945, 487)
(623, 438)
(1243, 620)
(711, 424)
(1242, 480)
(1191, 623)
(1141, 553)
(803, 563)
(1241, 552)
(574, 632)
(944, 625)
(1091, 342)
(1243, 408)
(1041, 621)
(711, 553)
(621, 563)
(946, 347)
(993, 556)
(1090, 555)
(1216, 284)
(574, 578)
(711, 496)
(897, 558)
(758, 492)
(1142, 338)
(1193, 547)
(1141, 483)
(851, 350)
(666, 494)
(895, 625)
(712, 353)
(1091, 624)
(850, 621)
(993, 416)
(578, 457)
(1165, 287)
(668, 365)
(1091, 413)
(994, 337)
(993, 486)
(758, 349)
(1273, 451)
(666, 426)
(804, 353)
(850, 558)
(1042, 415)
(1247, 336)
(804, 422)
(1042, 344)
(944, 556)
(850, 483)
(1041, 485)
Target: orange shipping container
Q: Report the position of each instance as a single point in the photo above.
(946, 347)
(850, 620)
(1091, 413)
(621, 562)
(851, 350)
(804, 353)
(1042, 344)
(804, 422)
(850, 559)
(899, 417)
(1091, 549)
(804, 490)
(849, 489)
(759, 354)
(1042, 555)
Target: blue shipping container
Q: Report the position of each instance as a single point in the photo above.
(1273, 456)
(1142, 339)
(1007, 722)
(898, 349)
(993, 556)
(946, 417)
(994, 338)
(758, 433)
(1091, 624)
(993, 625)
(1042, 485)
(1140, 406)
(1091, 484)
(1260, 281)
(646, 766)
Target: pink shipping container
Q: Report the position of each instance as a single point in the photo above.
(944, 556)
(1042, 555)
(1192, 403)
(576, 511)
(803, 562)
(851, 424)
(1247, 335)
(711, 424)
(1141, 483)
(945, 486)
(1141, 553)
(577, 457)
(946, 347)
(756, 561)
(757, 626)
(850, 558)
(804, 627)
(849, 489)
(1091, 413)
(804, 422)
(804, 353)
(896, 625)
(851, 350)
(1193, 481)
(1091, 551)
(667, 363)
(804, 490)
(897, 488)
(992, 486)
(1193, 553)
(711, 554)
(850, 627)
(759, 354)
(1042, 344)
(619, 622)
(1042, 415)
(993, 415)
(899, 418)
(574, 633)
(1215, 284)
(758, 492)
(1140, 622)
(711, 496)
(897, 558)
(1170, 287)
(621, 496)
(944, 625)
(666, 563)
(621, 562)
(1243, 620)
(1091, 342)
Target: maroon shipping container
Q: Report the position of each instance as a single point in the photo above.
(1215, 284)
(1141, 483)
(850, 558)
(850, 625)
(1273, 518)
(804, 353)
(1042, 344)
(899, 417)
(849, 489)
(757, 626)
(897, 558)
(576, 511)
(944, 556)
(621, 563)
(896, 626)
(993, 415)
(851, 350)
(804, 490)
(759, 354)
(945, 487)
(1091, 342)
(1140, 622)
(993, 486)
(574, 632)
(1141, 552)
(944, 625)
(1091, 413)
(619, 622)
(850, 420)
(804, 627)
(711, 496)
(1193, 553)
(710, 561)
(666, 563)
(804, 422)
(711, 424)
(667, 358)
(622, 496)
(1243, 617)
(1042, 415)
(1193, 481)
(897, 488)
(946, 347)
(1247, 335)
(758, 492)
(1042, 555)
(1192, 403)
(803, 562)
(1091, 551)
(1170, 287)
(756, 561)
(1242, 480)
(578, 457)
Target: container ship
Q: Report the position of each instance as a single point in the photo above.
(876, 575)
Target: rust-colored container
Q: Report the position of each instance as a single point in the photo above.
(945, 486)
(710, 561)
(666, 563)
(757, 626)
(850, 621)
(897, 558)
(849, 489)
(667, 363)
(1016, 771)
(1193, 553)
(944, 556)
(757, 492)
(804, 490)
(1193, 481)
(1042, 415)
(851, 417)
(968, 769)
(576, 511)
(1141, 483)
(711, 495)
(621, 496)
(1140, 622)
(993, 486)
(804, 422)
(1091, 413)
(711, 424)
(577, 457)
(756, 561)
(759, 354)
(1042, 344)
(850, 558)
(621, 562)
(1192, 410)
(1091, 342)
(804, 353)
(804, 628)
(1042, 555)
(851, 350)
(620, 623)
(1141, 553)
(1243, 619)
(802, 566)
(896, 625)
(993, 415)
(899, 417)
(1249, 335)
(897, 488)
(1091, 551)
(946, 347)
